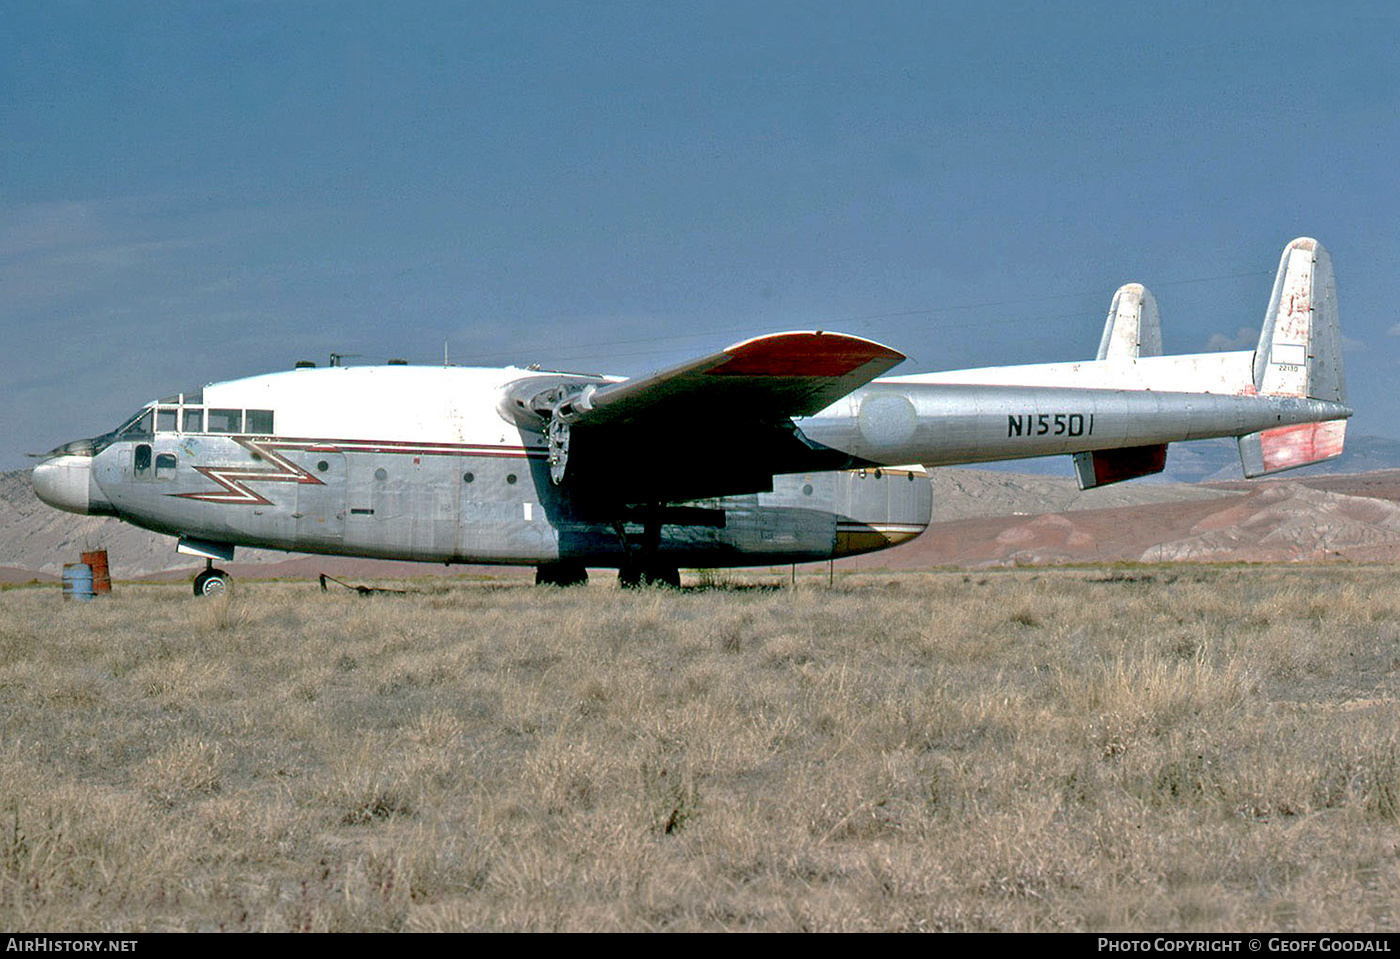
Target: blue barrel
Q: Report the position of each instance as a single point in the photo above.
(77, 581)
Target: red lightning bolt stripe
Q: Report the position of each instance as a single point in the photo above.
(233, 479)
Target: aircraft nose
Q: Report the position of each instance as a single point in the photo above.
(64, 482)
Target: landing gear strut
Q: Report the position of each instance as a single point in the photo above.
(213, 582)
(561, 574)
(643, 565)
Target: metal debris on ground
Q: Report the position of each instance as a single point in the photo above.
(362, 590)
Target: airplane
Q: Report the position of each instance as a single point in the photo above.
(786, 448)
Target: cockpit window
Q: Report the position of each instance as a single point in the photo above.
(259, 422)
(226, 421)
(187, 419)
(138, 425)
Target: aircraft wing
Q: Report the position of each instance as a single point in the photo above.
(714, 426)
(771, 378)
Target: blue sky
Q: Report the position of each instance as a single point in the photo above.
(191, 192)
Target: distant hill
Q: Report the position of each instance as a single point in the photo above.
(1338, 517)
(1213, 460)
(1208, 461)
(960, 493)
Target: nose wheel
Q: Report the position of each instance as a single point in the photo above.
(213, 582)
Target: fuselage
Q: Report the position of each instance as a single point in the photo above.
(422, 463)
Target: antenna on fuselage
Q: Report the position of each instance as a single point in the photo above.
(337, 357)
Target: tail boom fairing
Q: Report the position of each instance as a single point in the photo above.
(944, 424)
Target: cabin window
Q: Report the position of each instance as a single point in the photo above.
(166, 420)
(258, 421)
(194, 421)
(165, 466)
(226, 421)
(141, 461)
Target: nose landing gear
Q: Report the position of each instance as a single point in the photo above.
(213, 582)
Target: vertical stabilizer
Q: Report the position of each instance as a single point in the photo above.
(1133, 328)
(1299, 354)
(1300, 346)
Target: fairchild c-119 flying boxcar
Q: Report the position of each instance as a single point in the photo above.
(786, 448)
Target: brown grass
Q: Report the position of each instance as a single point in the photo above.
(1136, 748)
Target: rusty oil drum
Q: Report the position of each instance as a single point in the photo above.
(101, 578)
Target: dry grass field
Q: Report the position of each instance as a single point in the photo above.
(1109, 748)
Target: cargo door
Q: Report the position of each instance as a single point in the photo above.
(320, 511)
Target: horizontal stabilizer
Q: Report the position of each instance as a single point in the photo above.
(1285, 447)
(1102, 467)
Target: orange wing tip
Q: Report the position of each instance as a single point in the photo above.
(804, 354)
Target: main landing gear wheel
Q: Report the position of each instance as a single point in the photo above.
(561, 574)
(213, 582)
(642, 566)
(635, 576)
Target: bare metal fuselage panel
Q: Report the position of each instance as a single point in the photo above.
(475, 504)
